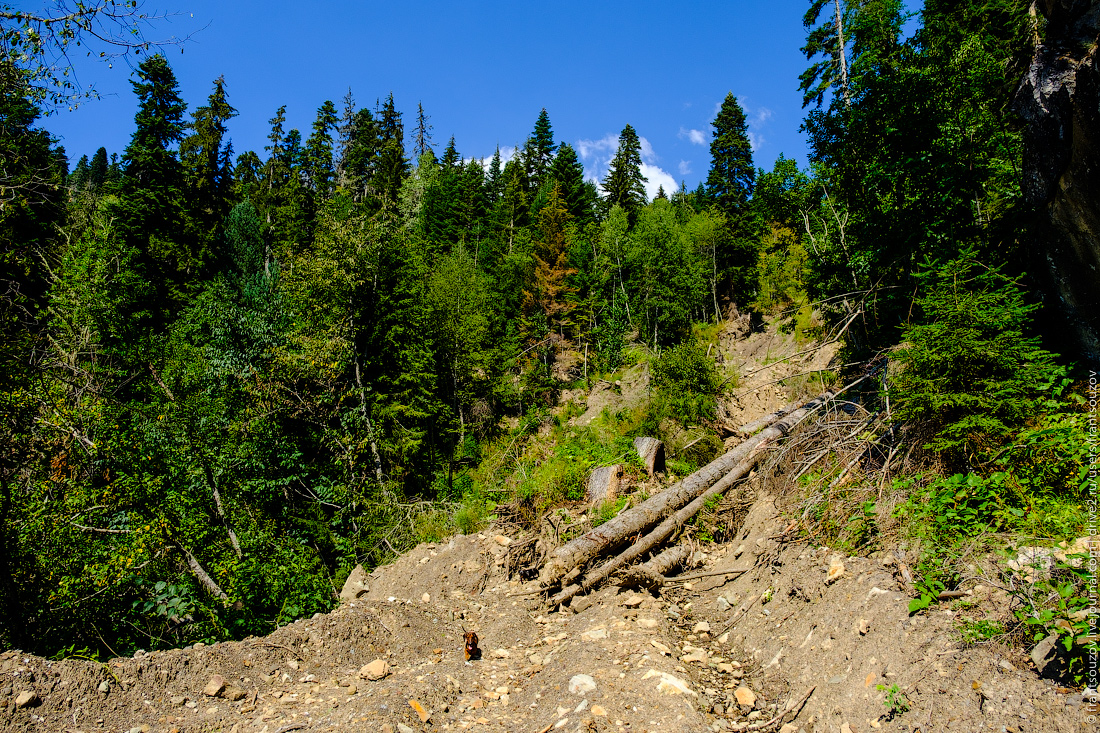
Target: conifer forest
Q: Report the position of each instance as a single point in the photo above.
(229, 376)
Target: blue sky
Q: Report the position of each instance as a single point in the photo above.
(483, 70)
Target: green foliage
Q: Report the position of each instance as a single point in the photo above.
(1059, 603)
(686, 379)
(970, 373)
(896, 702)
(608, 510)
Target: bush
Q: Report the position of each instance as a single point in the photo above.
(686, 379)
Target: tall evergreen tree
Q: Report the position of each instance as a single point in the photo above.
(318, 160)
(422, 138)
(361, 156)
(392, 166)
(729, 182)
(568, 174)
(209, 184)
(538, 152)
(624, 184)
(494, 180)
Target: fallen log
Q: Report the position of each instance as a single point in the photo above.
(676, 520)
(650, 512)
(652, 574)
(757, 425)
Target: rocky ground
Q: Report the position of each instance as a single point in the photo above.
(782, 636)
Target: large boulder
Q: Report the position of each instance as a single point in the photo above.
(356, 585)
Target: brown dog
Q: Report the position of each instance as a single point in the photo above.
(472, 652)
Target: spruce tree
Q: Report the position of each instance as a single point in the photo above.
(729, 182)
(422, 138)
(392, 166)
(494, 181)
(624, 184)
(538, 152)
(318, 163)
(209, 184)
(97, 170)
(568, 173)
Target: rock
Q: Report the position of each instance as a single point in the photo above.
(746, 698)
(632, 601)
(215, 686)
(233, 694)
(579, 604)
(836, 570)
(376, 670)
(104, 686)
(356, 585)
(598, 711)
(352, 689)
(701, 628)
(426, 598)
(500, 653)
(423, 714)
(699, 656)
(789, 728)
(603, 484)
(863, 626)
(670, 685)
(502, 540)
(292, 663)
(652, 453)
(647, 623)
(26, 698)
(581, 684)
(1049, 657)
(594, 634)
(178, 700)
(723, 604)
(402, 728)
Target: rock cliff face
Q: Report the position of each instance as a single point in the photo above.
(1059, 98)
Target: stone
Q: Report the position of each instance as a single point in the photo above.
(670, 685)
(426, 598)
(594, 634)
(292, 663)
(603, 484)
(581, 684)
(701, 628)
(864, 626)
(402, 728)
(1049, 658)
(376, 670)
(215, 686)
(352, 689)
(500, 653)
(26, 698)
(356, 585)
(502, 540)
(178, 700)
(233, 694)
(723, 604)
(789, 728)
(104, 686)
(579, 604)
(423, 714)
(699, 656)
(647, 623)
(632, 601)
(599, 711)
(745, 697)
(836, 570)
(652, 453)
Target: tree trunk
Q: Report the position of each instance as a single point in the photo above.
(203, 577)
(634, 522)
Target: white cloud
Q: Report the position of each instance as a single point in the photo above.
(592, 148)
(684, 167)
(755, 140)
(758, 120)
(647, 150)
(658, 177)
(507, 152)
(695, 137)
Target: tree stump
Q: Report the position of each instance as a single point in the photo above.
(652, 453)
(603, 484)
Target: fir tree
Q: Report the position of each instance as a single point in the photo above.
(203, 157)
(494, 181)
(729, 182)
(422, 138)
(568, 173)
(624, 184)
(318, 163)
(538, 152)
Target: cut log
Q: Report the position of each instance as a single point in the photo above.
(651, 574)
(603, 484)
(650, 512)
(665, 529)
(652, 453)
